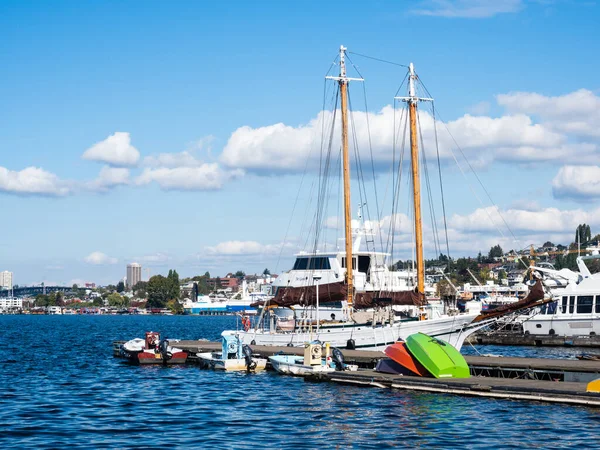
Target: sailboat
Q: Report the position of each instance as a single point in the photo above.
(360, 281)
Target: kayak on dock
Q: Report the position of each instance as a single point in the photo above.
(440, 359)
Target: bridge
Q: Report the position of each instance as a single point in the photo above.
(32, 291)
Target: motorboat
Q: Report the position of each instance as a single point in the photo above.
(152, 350)
(313, 362)
(234, 356)
(575, 310)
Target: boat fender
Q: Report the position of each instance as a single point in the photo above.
(338, 358)
(351, 345)
(253, 342)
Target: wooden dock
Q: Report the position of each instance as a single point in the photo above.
(550, 380)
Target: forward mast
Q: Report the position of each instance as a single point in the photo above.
(343, 80)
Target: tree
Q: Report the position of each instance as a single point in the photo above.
(240, 274)
(501, 275)
(59, 299)
(159, 289)
(583, 233)
(120, 286)
(266, 272)
(548, 244)
(495, 252)
(116, 300)
(174, 290)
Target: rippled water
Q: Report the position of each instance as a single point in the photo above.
(62, 387)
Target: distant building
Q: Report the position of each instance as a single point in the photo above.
(6, 279)
(134, 274)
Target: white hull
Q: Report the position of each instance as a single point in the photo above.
(452, 329)
(214, 361)
(563, 325)
(293, 366)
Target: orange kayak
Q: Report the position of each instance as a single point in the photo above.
(400, 354)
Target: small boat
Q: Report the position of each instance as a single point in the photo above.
(312, 362)
(234, 356)
(440, 358)
(152, 350)
(399, 354)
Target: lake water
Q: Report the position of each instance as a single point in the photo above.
(62, 387)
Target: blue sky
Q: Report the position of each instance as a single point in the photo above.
(101, 100)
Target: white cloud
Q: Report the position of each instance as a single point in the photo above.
(99, 258)
(513, 137)
(480, 109)
(115, 150)
(576, 113)
(547, 220)
(32, 181)
(577, 182)
(472, 9)
(242, 248)
(172, 160)
(156, 259)
(208, 176)
(109, 177)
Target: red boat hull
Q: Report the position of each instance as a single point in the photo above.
(400, 354)
(156, 358)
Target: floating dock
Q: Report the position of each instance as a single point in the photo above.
(533, 340)
(549, 380)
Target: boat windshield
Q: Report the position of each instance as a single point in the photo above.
(314, 263)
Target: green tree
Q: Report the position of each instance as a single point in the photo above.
(583, 233)
(266, 272)
(495, 252)
(501, 275)
(120, 286)
(548, 244)
(175, 307)
(59, 299)
(240, 274)
(174, 290)
(159, 290)
(116, 300)
(98, 301)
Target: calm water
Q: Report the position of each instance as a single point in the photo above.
(62, 387)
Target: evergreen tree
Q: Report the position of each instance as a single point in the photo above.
(495, 252)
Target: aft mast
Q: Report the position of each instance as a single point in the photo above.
(343, 83)
(412, 101)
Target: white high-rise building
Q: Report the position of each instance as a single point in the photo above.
(6, 279)
(134, 274)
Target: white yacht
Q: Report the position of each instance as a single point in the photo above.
(576, 309)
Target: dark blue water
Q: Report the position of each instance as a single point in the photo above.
(60, 386)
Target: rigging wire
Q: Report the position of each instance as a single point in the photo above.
(480, 183)
(378, 59)
(437, 148)
(371, 154)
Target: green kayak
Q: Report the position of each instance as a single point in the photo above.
(437, 356)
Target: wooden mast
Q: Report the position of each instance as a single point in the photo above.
(412, 101)
(343, 83)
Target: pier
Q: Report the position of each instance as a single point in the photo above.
(537, 340)
(549, 380)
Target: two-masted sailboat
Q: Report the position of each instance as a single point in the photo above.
(359, 281)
